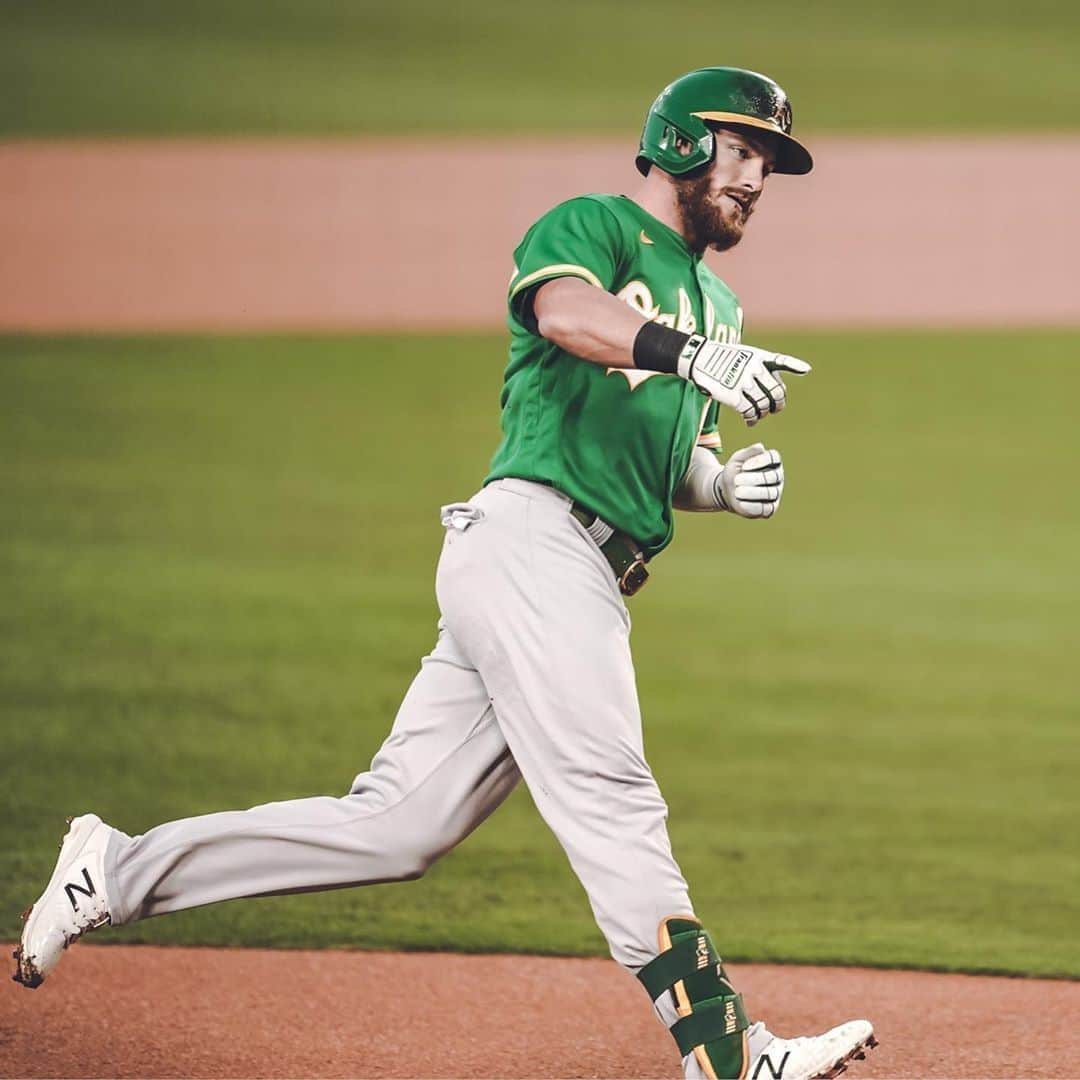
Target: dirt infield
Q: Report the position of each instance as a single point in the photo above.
(144, 1011)
(288, 235)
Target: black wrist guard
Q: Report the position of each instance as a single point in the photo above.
(657, 348)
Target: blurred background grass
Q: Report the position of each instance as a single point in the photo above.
(218, 556)
(333, 67)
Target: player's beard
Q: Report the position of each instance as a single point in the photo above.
(704, 222)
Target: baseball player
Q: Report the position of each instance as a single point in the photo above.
(624, 345)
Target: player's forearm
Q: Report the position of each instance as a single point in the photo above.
(699, 489)
(590, 323)
(587, 322)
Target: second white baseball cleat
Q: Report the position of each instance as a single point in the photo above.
(816, 1057)
(73, 903)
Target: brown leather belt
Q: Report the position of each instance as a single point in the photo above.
(622, 552)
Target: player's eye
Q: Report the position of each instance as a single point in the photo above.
(739, 150)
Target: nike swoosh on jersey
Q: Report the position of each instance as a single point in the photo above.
(643, 238)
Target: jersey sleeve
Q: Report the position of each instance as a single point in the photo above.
(580, 238)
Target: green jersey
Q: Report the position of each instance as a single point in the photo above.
(617, 441)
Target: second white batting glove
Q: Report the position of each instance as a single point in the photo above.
(739, 376)
(752, 482)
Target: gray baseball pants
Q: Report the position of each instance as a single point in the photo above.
(531, 677)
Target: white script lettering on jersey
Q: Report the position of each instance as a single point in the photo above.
(639, 296)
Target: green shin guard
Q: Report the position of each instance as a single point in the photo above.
(712, 1023)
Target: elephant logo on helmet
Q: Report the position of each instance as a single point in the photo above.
(781, 114)
(771, 104)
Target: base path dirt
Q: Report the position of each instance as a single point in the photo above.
(137, 1011)
(418, 234)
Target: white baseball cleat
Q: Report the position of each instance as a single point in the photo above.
(817, 1057)
(73, 903)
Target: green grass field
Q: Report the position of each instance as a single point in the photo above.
(336, 67)
(216, 564)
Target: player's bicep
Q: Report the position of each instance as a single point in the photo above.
(523, 304)
(586, 322)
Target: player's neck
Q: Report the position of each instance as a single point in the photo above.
(658, 198)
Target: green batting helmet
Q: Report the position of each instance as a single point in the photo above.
(724, 95)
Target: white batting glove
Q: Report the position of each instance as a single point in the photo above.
(752, 482)
(739, 376)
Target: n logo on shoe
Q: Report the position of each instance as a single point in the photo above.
(777, 1073)
(72, 889)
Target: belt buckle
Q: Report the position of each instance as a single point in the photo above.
(634, 577)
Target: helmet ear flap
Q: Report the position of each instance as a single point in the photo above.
(671, 146)
(672, 137)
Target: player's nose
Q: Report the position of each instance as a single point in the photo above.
(759, 166)
(753, 177)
